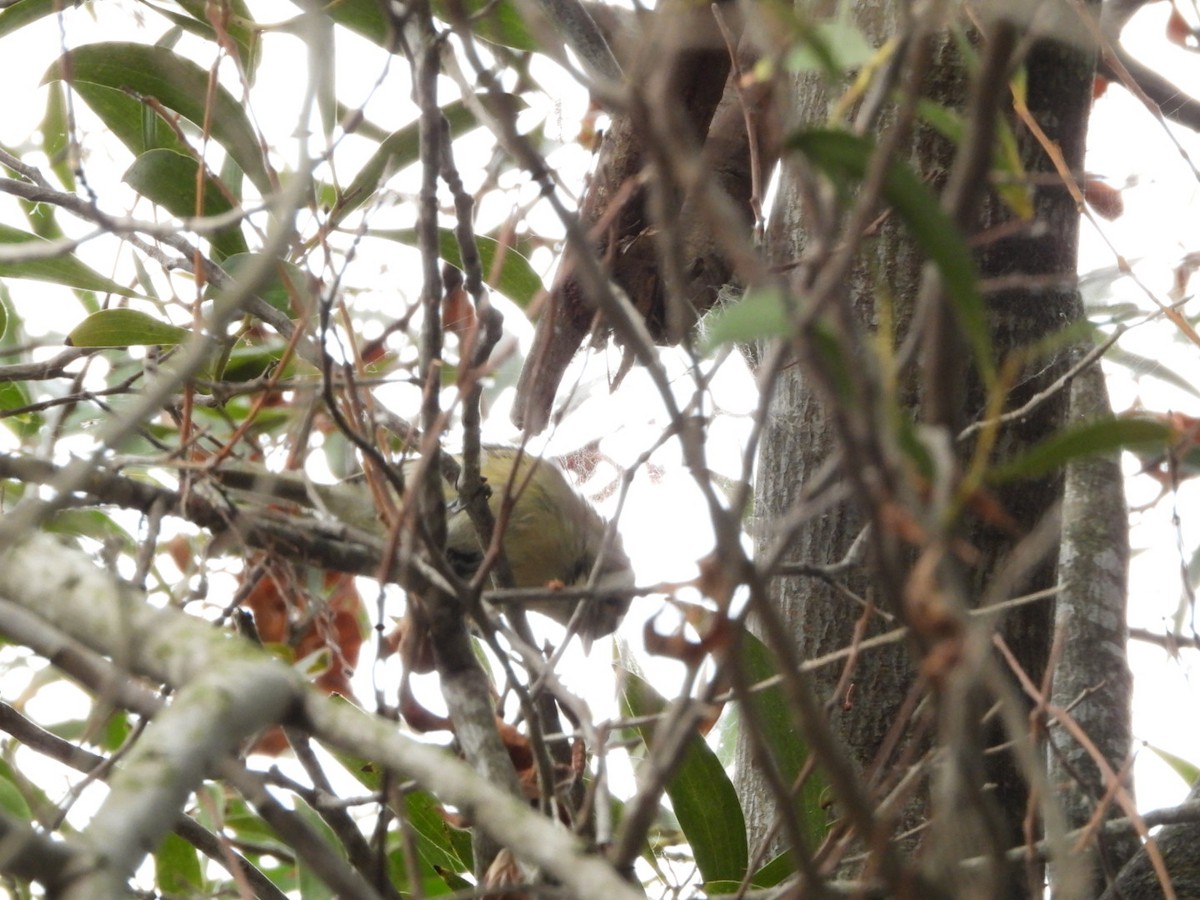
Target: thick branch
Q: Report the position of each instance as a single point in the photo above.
(1157, 91)
(66, 589)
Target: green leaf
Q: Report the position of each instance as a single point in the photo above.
(1088, 439)
(717, 888)
(92, 523)
(774, 871)
(14, 337)
(169, 179)
(287, 289)
(31, 795)
(177, 83)
(789, 751)
(66, 270)
(1188, 771)
(399, 149)
(13, 395)
(13, 802)
(1012, 184)
(23, 12)
(833, 47)
(516, 279)
(245, 824)
(762, 313)
(268, 421)
(125, 328)
(249, 361)
(1144, 367)
(498, 22)
(116, 731)
(363, 17)
(1019, 84)
(312, 886)
(239, 26)
(443, 847)
(442, 850)
(319, 40)
(177, 871)
(702, 795)
(845, 157)
(135, 126)
(55, 143)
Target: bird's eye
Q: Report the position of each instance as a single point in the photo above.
(464, 562)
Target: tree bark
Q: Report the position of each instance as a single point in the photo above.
(1034, 264)
(1091, 675)
(1180, 849)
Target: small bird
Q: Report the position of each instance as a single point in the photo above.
(553, 537)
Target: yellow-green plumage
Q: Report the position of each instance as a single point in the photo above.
(553, 536)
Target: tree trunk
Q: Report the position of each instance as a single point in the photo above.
(1036, 262)
(1091, 676)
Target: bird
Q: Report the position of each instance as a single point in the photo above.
(553, 536)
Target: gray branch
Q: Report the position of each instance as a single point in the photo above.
(213, 669)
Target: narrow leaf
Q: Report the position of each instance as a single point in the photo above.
(788, 749)
(247, 362)
(13, 802)
(55, 141)
(399, 149)
(438, 849)
(177, 83)
(833, 47)
(774, 871)
(177, 871)
(23, 12)
(1012, 185)
(286, 289)
(13, 395)
(516, 279)
(702, 795)
(169, 179)
(1185, 769)
(1083, 440)
(239, 25)
(498, 22)
(66, 270)
(761, 314)
(312, 886)
(1144, 367)
(135, 126)
(124, 328)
